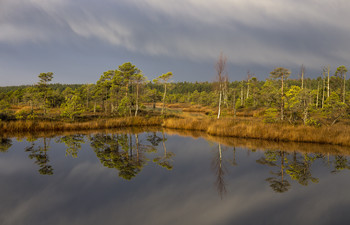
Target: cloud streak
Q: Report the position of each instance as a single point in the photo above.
(251, 32)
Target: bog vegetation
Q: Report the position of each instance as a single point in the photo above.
(278, 108)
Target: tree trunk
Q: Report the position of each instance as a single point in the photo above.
(318, 90)
(242, 92)
(344, 93)
(323, 87)
(95, 108)
(247, 89)
(306, 115)
(282, 105)
(112, 108)
(328, 89)
(164, 99)
(137, 99)
(219, 103)
(302, 77)
(234, 104)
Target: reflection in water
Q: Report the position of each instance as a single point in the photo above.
(297, 166)
(118, 151)
(5, 144)
(340, 163)
(219, 169)
(276, 159)
(300, 168)
(165, 160)
(73, 143)
(234, 162)
(40, 154)
(114, 151)
(128, 154)
(84, 190)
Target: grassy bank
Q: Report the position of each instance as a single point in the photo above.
(56, 126)
(338, 134)
(259, 144)
(253, 129)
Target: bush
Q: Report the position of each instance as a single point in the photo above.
(312, 122)
(22, 114)
(271, 115)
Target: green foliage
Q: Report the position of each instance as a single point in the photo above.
(121, 91)
(4, 106)
(5, 112)
(334, 109)
(271, 115)
(123, 106)
(269, 94)
(72, 107)
(312, 122)
(23, 114)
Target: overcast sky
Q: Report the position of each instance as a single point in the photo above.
(80, 39)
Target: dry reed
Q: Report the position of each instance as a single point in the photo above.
(258, 144)
(339, 134)
(39, 126)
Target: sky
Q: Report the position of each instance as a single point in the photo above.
(78, 40)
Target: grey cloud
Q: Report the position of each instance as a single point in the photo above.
(251, 33)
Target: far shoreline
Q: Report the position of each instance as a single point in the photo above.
(225, 127)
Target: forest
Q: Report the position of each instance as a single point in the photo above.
(126, 93)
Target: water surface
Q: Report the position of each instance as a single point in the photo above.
(167, 178)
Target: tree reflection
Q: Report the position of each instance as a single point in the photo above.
(73, 143)
(219, 169)
(278, 183)
(154, 139)
(39, 153)
(297, 166)
(234, 162)
(300, 169)
(165, 160)
(340, 163)
(5, 144)
(117, 151)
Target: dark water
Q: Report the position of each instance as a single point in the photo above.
(161, 178)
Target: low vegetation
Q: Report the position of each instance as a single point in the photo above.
(338, 134)
(280, 109)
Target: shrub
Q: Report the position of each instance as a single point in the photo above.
(271, 115)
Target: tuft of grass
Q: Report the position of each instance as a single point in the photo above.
(188, 124)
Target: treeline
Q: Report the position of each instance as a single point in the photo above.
(126, 91)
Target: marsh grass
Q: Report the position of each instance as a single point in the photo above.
(263, 145)
(338, 134)
(252, 128)
(39, 126)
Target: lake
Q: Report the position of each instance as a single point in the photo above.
(170, 177)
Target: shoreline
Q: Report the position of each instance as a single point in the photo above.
(335, 135)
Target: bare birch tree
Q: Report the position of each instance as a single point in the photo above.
(221, 76)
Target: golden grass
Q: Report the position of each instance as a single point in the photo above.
(339, 134)
(187, 124)
(243, 128)
(39, 126)
(258, 144)
(178, 105)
